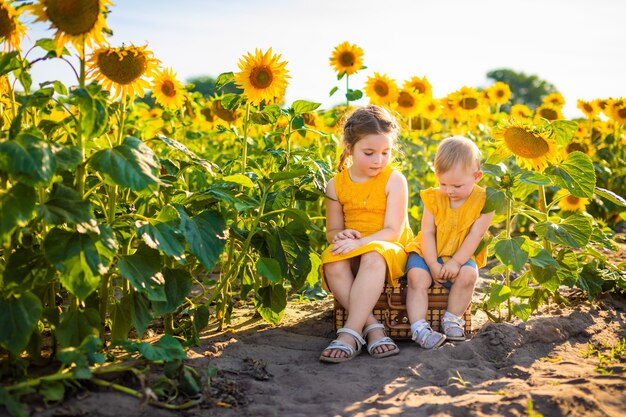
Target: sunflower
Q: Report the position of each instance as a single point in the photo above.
(579, 145)
(548, 112)
(467, 98)
(381, 89)
(81, 22)
(420, 86)
(554, 99)
(123, 70)
(521, 111)
(347, 59)
(617, 110)
(532, 148)
(218, 109)
(590, 108)
(430, 108)
(568, 202)
(167, 90)
(406, 104)
(263, 77)
(11, 29)
(499, 93)
(420, 123)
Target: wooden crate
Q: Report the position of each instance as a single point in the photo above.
(390, 310)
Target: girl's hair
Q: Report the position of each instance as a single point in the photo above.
(368, 120)
(457, 150)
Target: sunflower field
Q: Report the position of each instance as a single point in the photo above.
(117, 216)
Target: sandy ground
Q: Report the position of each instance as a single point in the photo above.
(274, 371)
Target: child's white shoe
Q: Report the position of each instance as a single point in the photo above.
(427, 338)
(453, 327)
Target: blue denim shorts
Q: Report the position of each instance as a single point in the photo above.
(416, 261)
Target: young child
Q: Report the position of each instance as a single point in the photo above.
(453, 225)
(367, 227)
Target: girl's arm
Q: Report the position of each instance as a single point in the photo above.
(334, 213)
(429, 243)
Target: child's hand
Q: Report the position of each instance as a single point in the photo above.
(346, 245)
(449, 270)
(435, 271)
(347, 234)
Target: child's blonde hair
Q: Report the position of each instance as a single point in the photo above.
(457, 150)
(368, 120)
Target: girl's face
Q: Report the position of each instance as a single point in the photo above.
(370, 156)
(458, 182)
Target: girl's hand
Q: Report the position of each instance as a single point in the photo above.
(449, 270)
(347, 234)
(346, 245)
(435, 271)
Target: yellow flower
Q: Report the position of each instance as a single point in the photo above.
(420, 123)
(347, 59)
(532, 148)
(5, 87)
(406, 104)
(548, 112)
(617, 110)
(81, 22)
(554, 99)
(381, 89)
(590, 108)
(430, 108)
(420, 86)
(167, 90)
(568, 202)
(580, 146)
(217, 108)
(467, 98)
(263, 77)
(11, 29)
(521, 111)
(122, 70)
(499, 93)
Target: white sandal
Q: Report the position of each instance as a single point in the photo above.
(344, 347)
(428, 338)
(453, 328)
(385, 340)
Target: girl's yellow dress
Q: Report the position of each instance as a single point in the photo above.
(453, 224)
(364, 206)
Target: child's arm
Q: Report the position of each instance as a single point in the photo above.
(453, 265)
(334, 217)
(429, 243)
(395, 216)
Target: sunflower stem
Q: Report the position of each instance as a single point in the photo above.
(244, 162)
(507, 278)
(80, 170)
(347, 92)
(542, 207)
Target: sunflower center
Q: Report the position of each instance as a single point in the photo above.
(573, 200)
(525, 144)
(406, 100)
(499, 93)
(588, 107)
(208, 115)
(381, 88)
(261, 77)
(549, 114)
(622, 113)
(7, 25)
(221, 112)
(168, 88)
(420, 123)
(74, 17)
(347, 59)
(468, 103)
(575, 146)
(122, 68)
(419, 87)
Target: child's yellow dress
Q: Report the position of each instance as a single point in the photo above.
(453, 224)
(364, 206)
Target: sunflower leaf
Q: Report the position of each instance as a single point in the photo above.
(576, 174)
(303, 106)
(573, 231)
(353, 95)
(611, 196)
(223, 79)
(333, 91)
(564, 131)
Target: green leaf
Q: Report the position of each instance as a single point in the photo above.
(205, 235)
(498, 155)
(93, 109)
(231, 101)
(576, 173)
(52, 390)
(287, 175)
(9, 61)
(546, 277)
(177, 287)
(535, 178)
(543, 259)
(333, 91)
(611, 196)
(200, 318)
(223, 79)
(65, 205)
(511, 253)
(314, 274)
(353, 95)
(28, 159)
(303, 106)
(131, 164)
(163, 235)
(209, 166)
(522, 311)
(13, 406)
(564, 131)
(50, 46)
(67, 157)
(143, 271)
(496, 201)
(568, 267)
(25, 270)
(166, 349)
(271, 302)
(239, 179)
(140, 312)
(82, 356)
(76, 325)
(17, 208)
(270, 269)
(499, 294)
(574, 231)
(520, 288)
(18, 317)
(121, 318)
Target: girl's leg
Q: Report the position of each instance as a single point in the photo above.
(419, 282)
(462, 290)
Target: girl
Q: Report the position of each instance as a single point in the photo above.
(453, 225)
(367, 227)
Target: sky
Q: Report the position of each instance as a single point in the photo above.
(577, 45)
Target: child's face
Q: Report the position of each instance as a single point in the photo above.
(458, 182)
(370, 155)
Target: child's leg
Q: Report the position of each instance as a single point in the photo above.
(458, 301)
